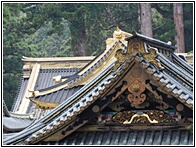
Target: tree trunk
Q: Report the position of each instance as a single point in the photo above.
(80, 49)
(146, 19)
(80, 45)
(179, 26)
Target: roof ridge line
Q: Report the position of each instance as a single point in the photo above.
(65, 84)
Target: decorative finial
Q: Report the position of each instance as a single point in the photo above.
(133, 32)
(117, 33)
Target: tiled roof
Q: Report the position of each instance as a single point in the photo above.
(58, 96)
(20, 94)
(161, 77)
(134, 137)
(45, 80)
(46, 76)
(13, 124)
(182, 63)
(151, 40)
(170, 83)
(62, 94)
(178, 70)
(72, 104)
(89, 97)
(22, 134)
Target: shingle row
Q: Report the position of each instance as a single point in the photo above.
(168, 82)
(136, 137)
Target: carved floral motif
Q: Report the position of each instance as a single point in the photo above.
(136, 95)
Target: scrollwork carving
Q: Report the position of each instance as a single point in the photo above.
(151, 58)
(136, 95)
(121, 56)
(160, 116)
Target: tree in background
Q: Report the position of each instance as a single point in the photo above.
(188, 26)
(179, 26)
(146, 19)
(33, 29)
(162, 22)
(164, 27)
(74, 29)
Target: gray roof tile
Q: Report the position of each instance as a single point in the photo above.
(136, 137)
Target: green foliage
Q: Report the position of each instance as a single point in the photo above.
(162, 22)
(74, 29)
(188, 26)
(43, 45)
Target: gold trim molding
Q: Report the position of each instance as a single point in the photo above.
(44, 105)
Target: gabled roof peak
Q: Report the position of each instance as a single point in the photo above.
(150, 40)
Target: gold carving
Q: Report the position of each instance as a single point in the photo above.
(143, 118)
(151, 58)
(136, 89)
(121, 56)
(120, 35)
(44, 105)
(160, 116)
(57, 79)
(151, 116)
(117, 33)
(136, 46)
(67, 64)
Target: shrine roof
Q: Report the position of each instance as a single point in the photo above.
(15, 124)
(174, 79)
(134, 137)
(81, 100)
(82, 74)
(182, 63)
(44, 80)
(151, 40)
(58, 59)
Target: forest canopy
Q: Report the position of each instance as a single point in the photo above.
(75, 29)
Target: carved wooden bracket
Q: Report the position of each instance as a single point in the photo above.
(136, 95)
